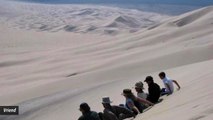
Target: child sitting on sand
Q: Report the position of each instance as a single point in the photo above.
(169, 87)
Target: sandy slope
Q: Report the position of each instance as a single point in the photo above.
(49, 74)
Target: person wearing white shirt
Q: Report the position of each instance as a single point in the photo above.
(168, 83)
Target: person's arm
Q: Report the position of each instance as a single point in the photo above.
(132, 106)
(176, 84)
(144, 101)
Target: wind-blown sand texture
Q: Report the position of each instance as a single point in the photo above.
(49, 68)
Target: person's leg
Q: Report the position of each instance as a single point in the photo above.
(164, 92)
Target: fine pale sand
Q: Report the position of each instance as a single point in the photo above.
(49, 71)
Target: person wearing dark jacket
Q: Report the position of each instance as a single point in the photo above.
(87, 114)
(154, 90)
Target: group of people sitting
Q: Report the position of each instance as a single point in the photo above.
(134, 104)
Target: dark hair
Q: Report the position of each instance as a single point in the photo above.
(149, 78)
(85, 107)
(162, 74)
(128, 93)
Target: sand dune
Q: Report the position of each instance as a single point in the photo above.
(124, 21)
(48, 74)
(84, 18)
(193, 17)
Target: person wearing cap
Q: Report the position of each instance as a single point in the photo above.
(140, 93)
(114, 112)
(168, 83)
(134, 103)
(87, 114)
(139, 89)
(153, 89)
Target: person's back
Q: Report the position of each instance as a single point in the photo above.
(154, 93)
(142, 95)
(90, 116)
(168, 84)
(154, 90)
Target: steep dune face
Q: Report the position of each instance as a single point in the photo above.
(48, 75)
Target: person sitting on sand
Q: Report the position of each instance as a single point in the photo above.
(154, 90)
(114, 112)
(87, 114)
(134, 103)
(140, 93)
(169, 87)
(139, 89)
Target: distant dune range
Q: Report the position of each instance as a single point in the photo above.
(53, 58)
(77, 18)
